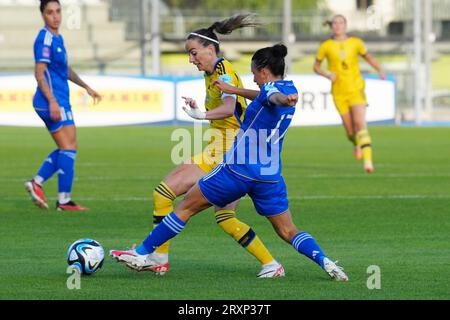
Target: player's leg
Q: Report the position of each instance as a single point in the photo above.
(142, 257)
(305, 244)
(48, 168)
(363, 139)
(343, 108)
(218, 188)
(176, 183)
(242, 233)
(66, 140)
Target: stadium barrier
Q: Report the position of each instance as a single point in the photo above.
(157, 100)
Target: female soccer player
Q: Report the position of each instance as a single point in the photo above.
(264, 128)
(342, 52)
(225, 113)
(51, 103)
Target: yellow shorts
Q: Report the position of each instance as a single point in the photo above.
(344, 102)
(213, 153)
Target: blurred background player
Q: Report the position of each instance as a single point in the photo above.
(51, 103)
(348, 85)
(268, 118)
(225, 113)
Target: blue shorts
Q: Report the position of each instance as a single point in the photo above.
(222, 186)
(52, 126)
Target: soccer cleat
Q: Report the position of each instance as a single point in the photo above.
(36, 193)
(357, 152)
(135, 261)
(336, 272)
(368, 166)
(159, 265)
(69, 206)
(271, 270)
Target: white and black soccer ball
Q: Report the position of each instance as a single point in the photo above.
(87, 255)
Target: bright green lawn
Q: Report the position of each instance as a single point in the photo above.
(397, 218)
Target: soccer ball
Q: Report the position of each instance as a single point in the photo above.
(86, 255)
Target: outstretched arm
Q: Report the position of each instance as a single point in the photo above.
(227, 88)
(281, 99)
(221, 112)
(73, 76)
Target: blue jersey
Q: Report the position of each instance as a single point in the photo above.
(256, 153)
(50, 49)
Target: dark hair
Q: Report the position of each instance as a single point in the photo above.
(44, 4)
(223, 27)
(271, 58)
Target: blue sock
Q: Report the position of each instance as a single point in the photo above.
(168, 228)
(49, 167)
(66, 164)
(305, 244)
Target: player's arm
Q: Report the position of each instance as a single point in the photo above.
(281, 99)
(228, 88)
(73, 76)
(318, 69)
(223, 111)
(374, 64)
(39, 73)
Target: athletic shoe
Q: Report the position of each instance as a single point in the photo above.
(160, 263)
(36, 193)
(271, 270)
(336, 272)
(133, 260)
(357, 153)
(69, 206)
(368, 166)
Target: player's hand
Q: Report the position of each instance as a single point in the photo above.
(291, 100)
(193, 111)
(223, 86)
(332, 77)
(382, 75)
(55, 111)
(95, 95)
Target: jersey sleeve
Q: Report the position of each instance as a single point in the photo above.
(267, 91)
(228, 80)
(322, 52)
(42, 50)
(361, 46)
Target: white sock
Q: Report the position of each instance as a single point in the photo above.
(39, 180)
(64, 197)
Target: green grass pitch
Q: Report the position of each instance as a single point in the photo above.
(397, 218)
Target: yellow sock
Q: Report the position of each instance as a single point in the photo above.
(163, 198)
(243, 234)
(364, 141)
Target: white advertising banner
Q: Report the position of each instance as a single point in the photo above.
(316, 106)
(134, 100)
(126, 101)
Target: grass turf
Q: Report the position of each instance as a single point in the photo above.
(397, 219)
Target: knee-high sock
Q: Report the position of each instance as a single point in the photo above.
(66, 165)
(305, 244)
(169, 227)
(163, 198)
(48, 168)
(243, 234)
(364, 141)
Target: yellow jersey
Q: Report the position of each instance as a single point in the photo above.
(342, 59)
(224, 71)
